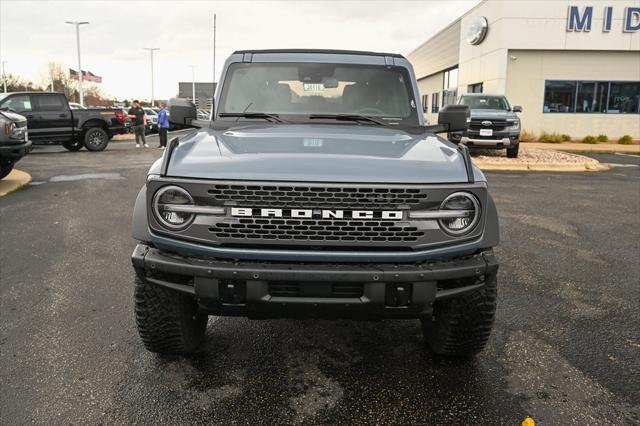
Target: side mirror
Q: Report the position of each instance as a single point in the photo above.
(181, 112)
(454, 118)
(517, 108)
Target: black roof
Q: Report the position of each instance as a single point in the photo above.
(331, 51)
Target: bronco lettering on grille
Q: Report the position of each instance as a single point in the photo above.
(310, 213)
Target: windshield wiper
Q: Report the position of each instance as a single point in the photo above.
(348, 117)
(265, 115)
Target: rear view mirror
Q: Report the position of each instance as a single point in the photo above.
(454, 118)
(181, 112)
(517, 108)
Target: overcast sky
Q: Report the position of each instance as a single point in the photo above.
(33, 33)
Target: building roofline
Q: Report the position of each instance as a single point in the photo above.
(313, 51)
(447, 27)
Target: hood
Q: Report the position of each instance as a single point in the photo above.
(318, 153)
(492, 114)
(12, 116)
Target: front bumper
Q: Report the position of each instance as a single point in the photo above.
(275, 290)
(499, 139)
(488, 143)
(16, 151)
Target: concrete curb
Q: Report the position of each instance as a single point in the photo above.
(542, 167)
(14, 181)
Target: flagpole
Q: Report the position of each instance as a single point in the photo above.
(77, 24)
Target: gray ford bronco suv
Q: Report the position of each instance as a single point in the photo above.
(315, 190)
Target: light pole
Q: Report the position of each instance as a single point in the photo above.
(77, 24)
(193, 84)
(4, 77)
(151, 50)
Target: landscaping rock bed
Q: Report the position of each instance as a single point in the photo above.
(535, 159)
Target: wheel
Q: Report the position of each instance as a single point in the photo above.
(96, 139)
(461, 326)
(73, 145)
(513, 152)
(5, 168)
(168, 321)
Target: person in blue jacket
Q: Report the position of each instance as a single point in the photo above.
(163, 125)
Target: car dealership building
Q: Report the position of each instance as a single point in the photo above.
(574, 66)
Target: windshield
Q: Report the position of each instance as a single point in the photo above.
(149, 111)
(485, 102)
(298, 90)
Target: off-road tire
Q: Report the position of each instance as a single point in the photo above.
(461, 326)
(73, 145)
(5, 168)
(513, 152)
(168, 321)
(95, 139)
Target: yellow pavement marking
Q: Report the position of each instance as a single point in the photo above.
(14, 181)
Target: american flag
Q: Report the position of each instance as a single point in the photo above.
(86, 76)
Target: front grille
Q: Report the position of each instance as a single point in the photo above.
(334, 290)
(321, 230)
(318, 196)
(496, 125)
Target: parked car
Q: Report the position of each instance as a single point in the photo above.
(336, 202)
(494, 123)
(75, 105)
(50, 119)
(14, 140)
(152, 120)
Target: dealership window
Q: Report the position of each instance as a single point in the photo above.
(474, 88)
(624, 97)
(611, 97)
(449, 97)
(450, 79)
(434, 103)
(449, 86)
(425, 103)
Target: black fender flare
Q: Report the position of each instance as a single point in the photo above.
(139, 225)
(491, 235)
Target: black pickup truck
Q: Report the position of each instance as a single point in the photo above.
(50, 120)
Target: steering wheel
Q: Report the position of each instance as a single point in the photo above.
(369, 111)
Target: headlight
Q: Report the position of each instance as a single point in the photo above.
(9, 127)
(467, 213)
(167, 203)
(514, 125)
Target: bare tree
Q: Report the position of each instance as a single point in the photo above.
(58, 74)
(17, 84)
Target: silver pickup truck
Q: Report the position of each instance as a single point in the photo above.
(14, 141)
(317, 190)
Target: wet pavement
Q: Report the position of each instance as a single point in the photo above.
(565, 347)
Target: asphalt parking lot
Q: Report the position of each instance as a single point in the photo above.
(565, 347)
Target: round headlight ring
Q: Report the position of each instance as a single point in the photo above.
(158, 215)
(474, 221)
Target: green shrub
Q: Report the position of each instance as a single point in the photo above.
(602, 138)
(526, 136)
(549, 137)
(589, 139)
(565, 138)
(625, 140)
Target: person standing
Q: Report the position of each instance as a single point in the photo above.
(137, 114)
(163, 125)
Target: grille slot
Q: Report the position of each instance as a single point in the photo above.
(326, 230)
(317, 196)
(335, 290)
